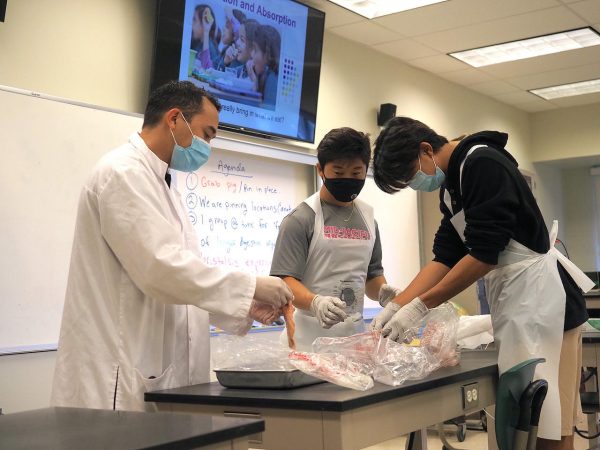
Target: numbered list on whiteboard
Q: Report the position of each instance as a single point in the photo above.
(236, 206)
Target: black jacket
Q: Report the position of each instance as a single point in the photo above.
(498, 206)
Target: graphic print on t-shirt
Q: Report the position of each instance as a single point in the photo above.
(334, 232)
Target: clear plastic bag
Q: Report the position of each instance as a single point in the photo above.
(352, 361)
(438, 331)
(335, 368)
(250, 352)
(397, 362)
(360, 347)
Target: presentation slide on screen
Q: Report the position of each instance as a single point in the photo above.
(250, 54)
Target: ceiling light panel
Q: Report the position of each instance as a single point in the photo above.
(377, 8)
(529, 48)
(568, 90)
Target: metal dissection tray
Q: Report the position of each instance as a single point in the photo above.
(265, 379)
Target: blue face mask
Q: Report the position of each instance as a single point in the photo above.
(428, 183)
(188, 159)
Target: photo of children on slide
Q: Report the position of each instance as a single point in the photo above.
(234, 55)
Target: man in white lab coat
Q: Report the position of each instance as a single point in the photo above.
(139, 299)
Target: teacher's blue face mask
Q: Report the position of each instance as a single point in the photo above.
(428, 183)
(188, 159)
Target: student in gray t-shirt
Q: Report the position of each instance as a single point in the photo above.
(328, 249)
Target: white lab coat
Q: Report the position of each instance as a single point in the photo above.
(139, 299)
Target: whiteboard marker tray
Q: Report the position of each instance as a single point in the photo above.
(265, 379)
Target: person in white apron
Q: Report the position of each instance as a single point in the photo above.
(492, 228)
(328, 249)
(139, 298)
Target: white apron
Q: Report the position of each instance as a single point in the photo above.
(525, 285)
(338, 268)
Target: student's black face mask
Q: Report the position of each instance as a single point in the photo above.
(343, 189)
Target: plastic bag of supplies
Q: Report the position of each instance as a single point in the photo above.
(250, 352)
(335, 368)
(432, 345)
(354, 360)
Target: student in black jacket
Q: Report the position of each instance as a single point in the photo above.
(491, 227)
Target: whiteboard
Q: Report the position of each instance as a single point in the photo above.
(236, 204)
(49, 147)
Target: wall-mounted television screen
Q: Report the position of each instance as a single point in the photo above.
(261, 58)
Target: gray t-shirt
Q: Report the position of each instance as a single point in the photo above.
(296, 232)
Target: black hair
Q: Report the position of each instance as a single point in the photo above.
(268, 40)
(176, 94)
(215, 33)
(397, 149)
(239, 15)
(344, 143)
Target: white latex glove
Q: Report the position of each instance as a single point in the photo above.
(328, 310)
(383, 317)
(263, 313)
(272, 291)
(387, 293)
(409, 316)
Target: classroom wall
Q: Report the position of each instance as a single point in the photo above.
(549, 193)
(560, 138)
(566, 133)
(100, 52)
(581, 235)
(97, 52)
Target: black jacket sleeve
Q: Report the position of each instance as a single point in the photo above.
(448, 247)
(490, 199)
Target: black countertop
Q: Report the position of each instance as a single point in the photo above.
(77, 428)
(328, 396)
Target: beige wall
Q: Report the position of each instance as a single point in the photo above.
(549, 192)
(356, 80)
(98, 52)
(566, 133)
(581, 233)
(566, 143)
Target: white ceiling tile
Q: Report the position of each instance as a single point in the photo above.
(588, 10)
(538, 106)
(366, 32)
(467, 77)
(423, 36)
(546, 63)
(405, 49)
(494, 87)
(503, 30)
(516, 98)
(334, 15)
(465, 12)
(556, 77)
(438, 64)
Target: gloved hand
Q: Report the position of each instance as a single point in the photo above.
(409, 316)
(272, 291)
(263, 313)
(387, 293)
(382, 318)
(328, 310)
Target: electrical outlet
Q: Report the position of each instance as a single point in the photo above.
(470, 395)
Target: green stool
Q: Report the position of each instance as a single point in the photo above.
(518, 405)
